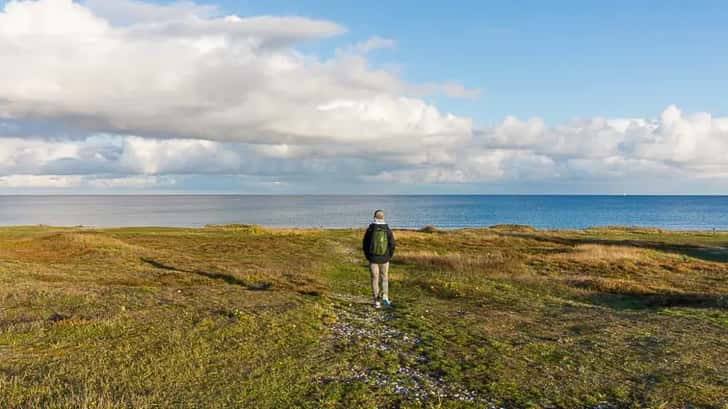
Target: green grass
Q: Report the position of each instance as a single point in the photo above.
(242, 316)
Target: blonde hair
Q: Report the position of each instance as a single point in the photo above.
(379, 215)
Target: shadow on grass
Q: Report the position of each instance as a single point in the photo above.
(716, 254)
(619, 301)
(214, 276)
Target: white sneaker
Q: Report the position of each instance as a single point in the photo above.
(386, 302)
(377, 305)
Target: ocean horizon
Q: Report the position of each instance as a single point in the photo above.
(558, 211)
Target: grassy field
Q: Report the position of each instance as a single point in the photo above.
(236, 316)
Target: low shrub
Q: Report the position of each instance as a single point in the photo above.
(428, 229)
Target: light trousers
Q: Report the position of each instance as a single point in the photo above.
(379, 272)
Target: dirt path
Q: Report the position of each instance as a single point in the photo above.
(358, 325)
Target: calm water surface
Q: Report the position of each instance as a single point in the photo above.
(669, 212)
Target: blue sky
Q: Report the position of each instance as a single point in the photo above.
(574, 97)
(555, 59)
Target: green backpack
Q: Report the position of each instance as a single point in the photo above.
(380, 242)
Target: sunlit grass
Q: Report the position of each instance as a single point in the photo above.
(242, 316)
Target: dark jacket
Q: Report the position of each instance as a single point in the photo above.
(366, 245)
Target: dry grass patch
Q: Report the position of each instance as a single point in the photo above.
(54, 247)
(520, 228)
(625, 229)
(94, 239)
(63, 247)
(601, 253)
(242, 228)
(459, 262)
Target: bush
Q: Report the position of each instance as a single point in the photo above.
(428, 229)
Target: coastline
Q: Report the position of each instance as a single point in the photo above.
(412, 212)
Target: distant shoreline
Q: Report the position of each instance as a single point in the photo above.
(682, 213)
(510, 228)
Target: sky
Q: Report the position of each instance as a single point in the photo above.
(293, 97)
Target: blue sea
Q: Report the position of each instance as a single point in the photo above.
(555, 212)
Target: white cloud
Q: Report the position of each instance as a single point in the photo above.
(476, 166)
(374, 43)
(136, 182)
(179, 89)
(150, 156)
(20, 155)
(76, 181)
(673, 146)
(127, 12)
(691, 143)
(40, 181)
(450, 89)
(175, 71)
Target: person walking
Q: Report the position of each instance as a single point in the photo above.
(378, 245)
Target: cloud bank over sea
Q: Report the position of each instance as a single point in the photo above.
(108, 95)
